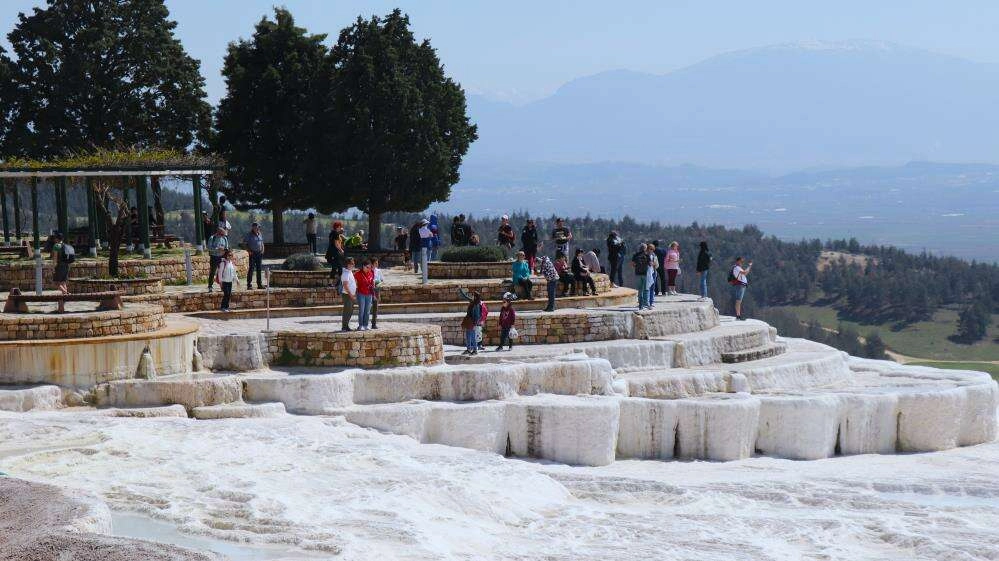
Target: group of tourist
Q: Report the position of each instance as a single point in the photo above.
(360, 287)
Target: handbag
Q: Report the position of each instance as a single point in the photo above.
(514, 334)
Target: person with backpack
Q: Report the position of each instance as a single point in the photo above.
(529, 241)
(63, 255)
(505, 238)
(458, 233)
(218, 244)
(473, 315)
(227, 276)
(738, 277)
(616, 252)
(507, 318)
(551, 276)
(703, 265)
(416, 245)
(640, 260)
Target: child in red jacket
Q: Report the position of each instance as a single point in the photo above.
(507, 317)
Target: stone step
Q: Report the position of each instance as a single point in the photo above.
(239, 411)
(706, 347)
(190, 392)
(145, 412)
(37, 398)
(756, 353)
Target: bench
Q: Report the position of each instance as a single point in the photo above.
(17, 303)
(17, 250)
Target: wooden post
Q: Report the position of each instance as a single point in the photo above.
(199, 233)
(3, 208)
(62, 206)
(17, 211)
(142, 192)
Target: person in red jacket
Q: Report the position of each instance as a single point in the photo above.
(507, 318)
(365, 278)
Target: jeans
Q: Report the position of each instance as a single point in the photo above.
(213, 267)
(704, 283)
(256, 263)
(661, 281)
(587, 282)
(617, 271)
(651, 288)
(552, 287)
(311, 239)
(226, 294)
(363, 309)
(471, 341)
(643, 291)
(348, 310)
(505, 337)
(568, 283)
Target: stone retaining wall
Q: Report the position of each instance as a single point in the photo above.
(390, 345)
(170, 269)
(570, 326)
(299, 279)
(469, 270)
(134, 318)
(130, 287)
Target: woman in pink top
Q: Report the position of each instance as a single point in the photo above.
(672, 267)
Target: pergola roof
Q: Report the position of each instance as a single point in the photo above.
(114, 163)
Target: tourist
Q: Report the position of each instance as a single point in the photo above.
(62, 256)
(473, 313)
(227, 276)
(254, 242)
(551, 276)
(616, 252)
(379, 279)
(415, 245)
(703, 265)
(348, 293)
(471, 238)
(458, 238)
(402, 240)
(207, 226)
(507, 318)
(739, 279)
(480, 327)
(581, 273)
(223, 221)
(426, 238)
(529, 240)
(435, 242)
(522, 276)
(218, 244)
(562, 236)
(640, 260)
(652, 275)
(659, 285)
(365, 278)
(311, 233)
(672, 267)
(592, 260)
(564, 275)
(336, 253)
(506, 237)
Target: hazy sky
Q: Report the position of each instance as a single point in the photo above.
(521, 50)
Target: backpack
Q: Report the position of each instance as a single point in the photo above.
(732, 279)
(68, 254)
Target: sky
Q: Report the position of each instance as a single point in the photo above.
(520, 51)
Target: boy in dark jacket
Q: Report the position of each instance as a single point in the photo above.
(507, 318)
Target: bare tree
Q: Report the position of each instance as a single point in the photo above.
(112, 205)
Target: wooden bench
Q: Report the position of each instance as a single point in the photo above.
(18, 250)
(17, 303)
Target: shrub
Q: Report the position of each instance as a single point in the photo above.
(302, 262)
(473, 253)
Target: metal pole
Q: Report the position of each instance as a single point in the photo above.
(3, 208)
(199, 233)
(143, 204)
(39, 285)
(17, 212)
(62, 206)
(91, 217)
(423, 264)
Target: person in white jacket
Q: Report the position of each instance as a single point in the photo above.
(379, 279)
(348, 292)
(226, 276)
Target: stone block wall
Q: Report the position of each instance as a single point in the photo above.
(170, 269)
(129, 287)
(299, 279)
(469, 270)
(390, 345)
(569, 326)
(74, 325)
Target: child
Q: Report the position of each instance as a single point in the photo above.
(472, 316)
(507, 318)
(226, 276)
(379, 279)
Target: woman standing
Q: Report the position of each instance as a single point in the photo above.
(551, 276)
(672, 267)
(703, 264)
(473, 314)
(335, 253)
(365, 279)
(227, 275)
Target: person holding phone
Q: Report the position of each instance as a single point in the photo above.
(739, 279)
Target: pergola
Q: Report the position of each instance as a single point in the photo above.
(140, 166)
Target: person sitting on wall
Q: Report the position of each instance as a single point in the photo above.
(522, 275)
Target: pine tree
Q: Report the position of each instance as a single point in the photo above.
(973, 323)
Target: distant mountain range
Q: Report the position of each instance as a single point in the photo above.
(778, 109)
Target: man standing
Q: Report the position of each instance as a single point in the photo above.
(616, 252)
(739, 279)
(254, 242)
(310, 232)
(335, 252)
(660, 288)
(348, 291)
(529, 239)
(562, 236)
(506, 237)
(217, 246)
(457, 233)
(640, 260)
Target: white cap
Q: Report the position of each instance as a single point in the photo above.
(506, 217)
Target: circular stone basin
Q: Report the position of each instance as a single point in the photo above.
(392, 344)
(134, 318)
(129, 287)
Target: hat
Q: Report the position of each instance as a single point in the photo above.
(506, 217)
(509, 296)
